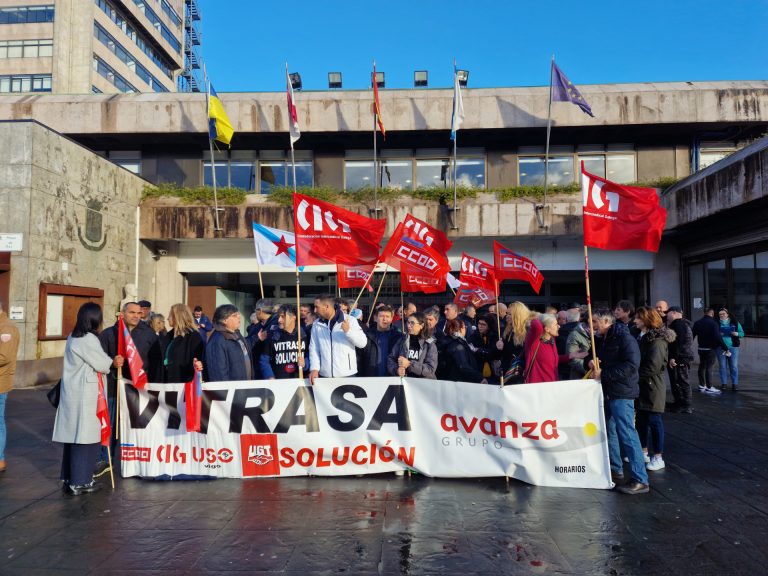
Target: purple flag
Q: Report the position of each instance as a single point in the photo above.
(563, 90)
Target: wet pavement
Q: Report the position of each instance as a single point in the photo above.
(707, 513)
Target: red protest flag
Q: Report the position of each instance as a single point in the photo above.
(421, 259)
(354, 276)
(376, 107)
(474, 295)
(413, 280)
(102, 413)
(419, 229)
(326, 233)
(618, 217)
(127, 349)
(193, 398)
(512, 266)
(475, 272)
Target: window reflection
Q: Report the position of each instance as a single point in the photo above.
(560, 171)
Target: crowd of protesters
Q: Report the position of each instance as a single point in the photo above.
(509, 345)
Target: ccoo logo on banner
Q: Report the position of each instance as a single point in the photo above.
(549, 434)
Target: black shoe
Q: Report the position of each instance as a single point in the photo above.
(735, 388)
(616, 477)
(74, 490)
(634, 487)
(102, 467)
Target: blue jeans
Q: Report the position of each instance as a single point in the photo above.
(729, 365)
(2, 425)
(620, 419)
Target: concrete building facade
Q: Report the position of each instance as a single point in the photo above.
(91, 46)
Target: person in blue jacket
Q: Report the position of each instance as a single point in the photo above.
(732, 333)
(229, 355)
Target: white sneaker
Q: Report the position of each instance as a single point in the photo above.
(399, 472)
(713, 391)
(647, 458)
(656, 463)
(702, 388)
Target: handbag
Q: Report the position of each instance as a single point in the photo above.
(54, 395)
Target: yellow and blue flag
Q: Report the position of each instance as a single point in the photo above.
(219, 126)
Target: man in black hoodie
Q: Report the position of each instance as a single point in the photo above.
(680, 358)
(707, 330)
(279, 358)
(264, 311)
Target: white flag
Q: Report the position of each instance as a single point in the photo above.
(293, 118)
(458, 105)
(273, 246)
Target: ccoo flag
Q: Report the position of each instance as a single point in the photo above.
(219, 126)
(127, 349)
(293, 117)
(563, 90)
(458, 104)
(512, 266)
(620, 217)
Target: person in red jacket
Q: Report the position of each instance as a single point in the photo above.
(541, 357)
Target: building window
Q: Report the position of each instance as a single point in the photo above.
(158, 25)
(106, 71)
(117, 49)
(144, 44)
(711, 152)
(25, 83)
(560, 169)
(620, 167)
(171, 13)
(25, 48)
(407, 173)
(739, 282)
(128, 159)
(26, 14)
(235, 169)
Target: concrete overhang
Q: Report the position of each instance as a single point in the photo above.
(403, 110)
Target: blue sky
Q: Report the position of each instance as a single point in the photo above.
(502, 43)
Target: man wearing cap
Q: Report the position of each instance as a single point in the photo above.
(146, 310)
(680, 358)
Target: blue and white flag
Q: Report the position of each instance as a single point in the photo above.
(275, 247)
(458, 105)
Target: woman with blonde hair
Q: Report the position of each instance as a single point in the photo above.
(511, 342)
(184, 348)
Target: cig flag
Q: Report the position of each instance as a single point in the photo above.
(618, 217)
(475, 272)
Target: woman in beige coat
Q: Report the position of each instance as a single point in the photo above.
(77, 426)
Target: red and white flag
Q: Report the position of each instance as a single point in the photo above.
(421, 259)
(512, 266)
(102, 413)
(433, 237)
(293, 117)
(475, 272)
(618, 217)
(474, 295)
(326, 233)
(413, 280)
(127, 349)
(354, 276)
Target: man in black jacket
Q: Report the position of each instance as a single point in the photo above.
(619, 355)
(680, 358)
(382, 339)
(572, 317)
(707, 330)
(262, 332)
(148, 346)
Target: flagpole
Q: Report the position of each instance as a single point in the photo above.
(589, 309)
(402, 305)
(367, 281)
(213, 160)
(375, 165)
(546, 147)
(111, 472)
(375, 298)
(258, 267)
(120, 385)
(498, 321)
(455, 139)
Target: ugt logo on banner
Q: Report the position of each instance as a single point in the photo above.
(258, 454)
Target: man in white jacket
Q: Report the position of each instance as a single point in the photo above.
(335, 336)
